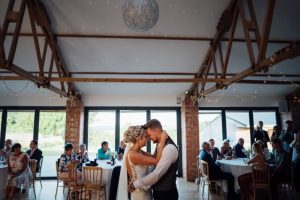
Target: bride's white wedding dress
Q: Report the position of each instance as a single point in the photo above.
(140, 171)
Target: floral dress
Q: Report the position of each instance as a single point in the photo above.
(83, 159)
(16, 163)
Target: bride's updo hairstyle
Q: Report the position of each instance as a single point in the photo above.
(133, 133)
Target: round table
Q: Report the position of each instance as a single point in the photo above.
(107, 172)
(3, 179)
(236, 167)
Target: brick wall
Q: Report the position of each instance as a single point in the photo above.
(74, 123)
(190, 137)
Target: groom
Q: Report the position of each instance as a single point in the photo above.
(163, 177)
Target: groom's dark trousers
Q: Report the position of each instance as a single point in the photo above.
(166, 195)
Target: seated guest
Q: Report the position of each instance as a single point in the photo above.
(19, 173)
(259, 161)
(215, 171)
(35, 153)
(281, 171)
(5, 152)
(265, 149)
(65, 159)
(297, 162)
(226, 150)
(82, 156)
(104, 152)
(239, 149)
(214, 150)
(121, 150)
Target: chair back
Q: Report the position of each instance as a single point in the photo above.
(260, 176)
(203, 166)
(33, 166)
(41, 164)
(72, 170)
(92, 176)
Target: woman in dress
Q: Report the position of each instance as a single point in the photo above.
(19, 173)
(82, 156)
(137, 162)
(226, 150)
(259, 161)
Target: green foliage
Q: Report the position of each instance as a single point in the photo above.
(52, 123)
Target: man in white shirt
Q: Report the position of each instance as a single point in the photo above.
(163, 177)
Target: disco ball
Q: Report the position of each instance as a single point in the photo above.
(140, 15)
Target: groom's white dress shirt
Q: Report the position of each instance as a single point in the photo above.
(169, 156)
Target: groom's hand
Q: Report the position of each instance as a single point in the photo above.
(131, 187)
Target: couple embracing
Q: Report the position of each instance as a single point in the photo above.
(138, 165)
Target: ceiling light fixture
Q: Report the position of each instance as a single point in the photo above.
(140, 15)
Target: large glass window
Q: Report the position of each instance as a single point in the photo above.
(238, 126)
(20, 127)
(101, 125)
(210, 126)
(269, 120)
(168, 120)
(51, 139)
(131, 118)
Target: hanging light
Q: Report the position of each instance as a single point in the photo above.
(140, 15)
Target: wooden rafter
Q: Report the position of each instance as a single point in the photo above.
(38, 18)
(258, 62)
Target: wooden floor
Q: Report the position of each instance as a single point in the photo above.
(187, 191)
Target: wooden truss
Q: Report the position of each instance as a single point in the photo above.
(258, 62)
(39, 20)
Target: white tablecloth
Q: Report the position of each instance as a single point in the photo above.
(3, 180)
(236, 167)
(107, 172)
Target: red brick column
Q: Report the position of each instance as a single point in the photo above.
(74, 122)
(190, 137)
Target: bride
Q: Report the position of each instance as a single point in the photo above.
(136, 162)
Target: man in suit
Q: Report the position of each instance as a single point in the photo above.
(35, 153)
(260, 134)
(215, 171)
(239, 149)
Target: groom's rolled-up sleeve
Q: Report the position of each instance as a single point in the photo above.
(169, 156)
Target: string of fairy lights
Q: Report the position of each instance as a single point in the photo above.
(254, 95)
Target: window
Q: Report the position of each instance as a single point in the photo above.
(269, 120)
(20, 127)
(168, 121)
(210, 126)
(238, 126)
(101, 127)
(131, 118)
(51, 139)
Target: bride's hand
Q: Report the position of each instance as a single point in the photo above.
(131, 187)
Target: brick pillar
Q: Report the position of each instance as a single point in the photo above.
(74, 122)
(190, 139)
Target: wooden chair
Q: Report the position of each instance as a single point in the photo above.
(39, 172)
(92, 177)
(59, 180)
(33, 166)
(199, 175)
(261, 179)
(207, 181)
(289, 183)
(74, 184)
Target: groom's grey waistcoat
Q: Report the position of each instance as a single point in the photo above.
(168, 180)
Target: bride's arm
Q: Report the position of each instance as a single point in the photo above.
(140, 159)
(128, 167)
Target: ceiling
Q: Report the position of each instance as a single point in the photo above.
(188, 18)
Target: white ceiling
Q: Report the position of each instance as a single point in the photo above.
(188, 18)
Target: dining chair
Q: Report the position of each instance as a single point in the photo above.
(261, 179)
(39, 171)
(59, 179)
(75, 185)
(199, 175)
(207, 181)
(288, 183)
(33, 166)
(92, 177)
